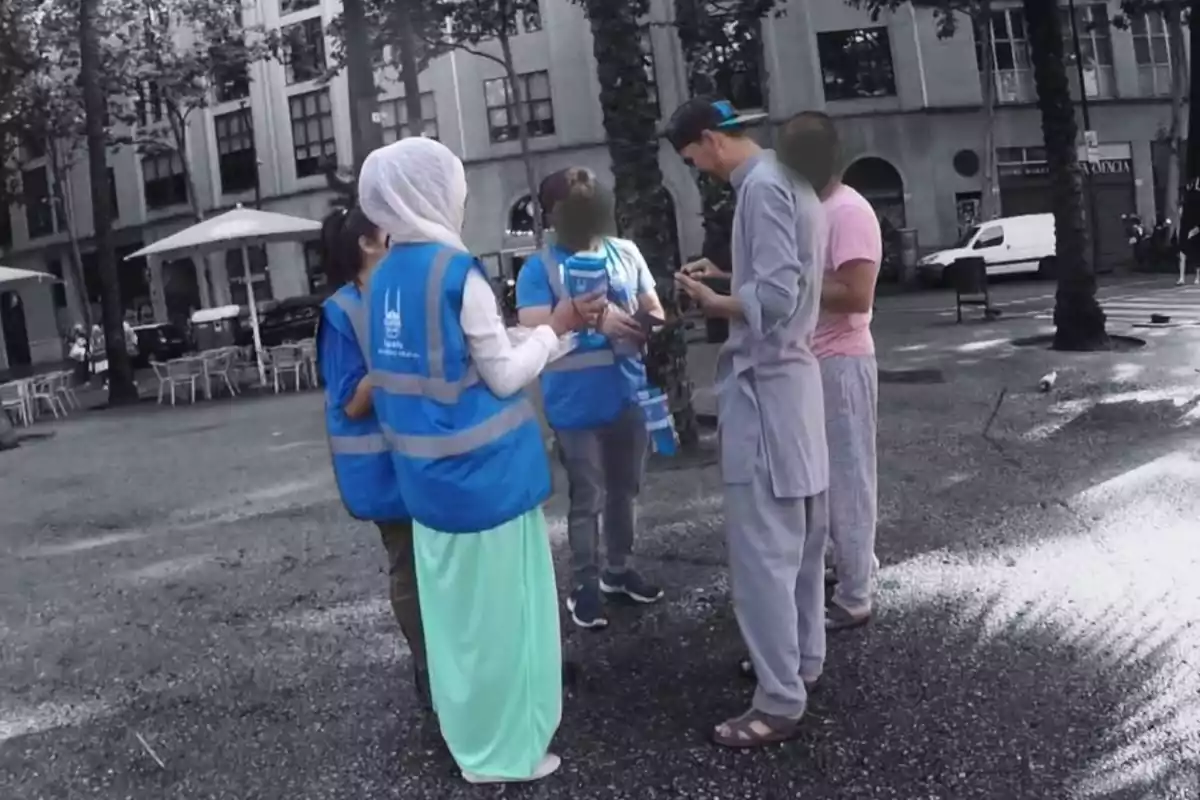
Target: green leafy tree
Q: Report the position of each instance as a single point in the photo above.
(643, 207)
(1079, 321)
(179, 56)
(366, 32)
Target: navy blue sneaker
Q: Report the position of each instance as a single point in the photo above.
(587, 611)
(630, 584)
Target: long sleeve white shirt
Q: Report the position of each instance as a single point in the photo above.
(508, 359)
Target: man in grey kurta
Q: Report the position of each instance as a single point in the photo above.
(774, 460)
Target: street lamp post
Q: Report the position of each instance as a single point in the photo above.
(1089, 172)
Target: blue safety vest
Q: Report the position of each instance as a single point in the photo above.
(467, 460)
(585, 388)
(362, 461)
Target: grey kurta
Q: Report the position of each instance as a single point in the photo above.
(774, 459)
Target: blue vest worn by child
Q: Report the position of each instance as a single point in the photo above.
(467, 460)
(362, 461)
(589, 387)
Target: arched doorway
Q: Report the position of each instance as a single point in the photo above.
(880, 183)
(16, 335)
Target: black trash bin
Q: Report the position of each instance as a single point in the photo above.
(968, 276)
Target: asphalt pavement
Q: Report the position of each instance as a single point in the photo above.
(187, 611)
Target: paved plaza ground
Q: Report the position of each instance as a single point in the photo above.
(185, 581)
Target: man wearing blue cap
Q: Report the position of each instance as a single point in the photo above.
(774, 459)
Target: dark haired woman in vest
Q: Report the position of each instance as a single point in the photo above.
(591, 395)
(362, 464)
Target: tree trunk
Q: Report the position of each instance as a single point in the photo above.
(518, 109)
(365, 132)
(989, 206)
(1173, 16)
(66, 213)
(1079, 320)
(410, 68)
(1191, 197)
(644, 212)
(121, 389)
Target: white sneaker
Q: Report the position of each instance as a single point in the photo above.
(547, 767)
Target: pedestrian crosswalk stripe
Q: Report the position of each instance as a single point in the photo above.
(1181, 304)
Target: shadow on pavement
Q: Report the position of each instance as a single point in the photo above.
(940, 699)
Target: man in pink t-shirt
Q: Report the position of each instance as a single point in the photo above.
(846, 351)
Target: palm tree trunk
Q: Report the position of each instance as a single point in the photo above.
(518, 109)
(1191, 198)
(66, 215)
(410, 68)
(1079, 320)
(121, 389)
(988, 205)
(365, 133)
(1173, 16)
(644, 212)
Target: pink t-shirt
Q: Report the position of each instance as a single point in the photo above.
(854, 235)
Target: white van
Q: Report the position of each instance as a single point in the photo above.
(1009, 246)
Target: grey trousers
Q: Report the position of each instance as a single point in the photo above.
(851, 399)
(777, 572)
(605, 467)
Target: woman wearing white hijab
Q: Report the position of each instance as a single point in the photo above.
(448, 383)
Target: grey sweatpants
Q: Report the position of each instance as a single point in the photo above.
(777, 572)
(605, 467)
(851, 400)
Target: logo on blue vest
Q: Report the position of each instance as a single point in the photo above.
(393, 326)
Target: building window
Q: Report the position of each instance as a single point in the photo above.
(318, 282)
(236, 155)
(530, 18)
(149, 104)
(1010, 46)
(292, 6)
(1021, 162)
(539, 111)
(1095, 45)
(39, 209)
(113, 206)
(163, 181)
(728, 63)
(304, 50)
(648, 63)
(312, 132)
(231, 83)
(1152, 47)
(856, 63)
(259, 275)
(394, 118)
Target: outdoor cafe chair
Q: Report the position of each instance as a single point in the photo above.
(308, 351)
(62, 386)
(218, 364)
(12, 399)
(43, 392)
(283, 360)
(179, 372)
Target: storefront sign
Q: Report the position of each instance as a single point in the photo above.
(1105, 166)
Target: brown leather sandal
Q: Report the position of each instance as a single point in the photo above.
(755, 729)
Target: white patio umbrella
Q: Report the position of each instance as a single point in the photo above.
(13, 275)
(240, 228)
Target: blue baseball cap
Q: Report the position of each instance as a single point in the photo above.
(689, 122)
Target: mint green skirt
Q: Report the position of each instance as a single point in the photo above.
(490, 610)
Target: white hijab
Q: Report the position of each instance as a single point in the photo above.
(415, 190)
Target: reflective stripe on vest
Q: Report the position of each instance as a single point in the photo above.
(367, 445)
(463, 442)
(357, 312)
(588, 359)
